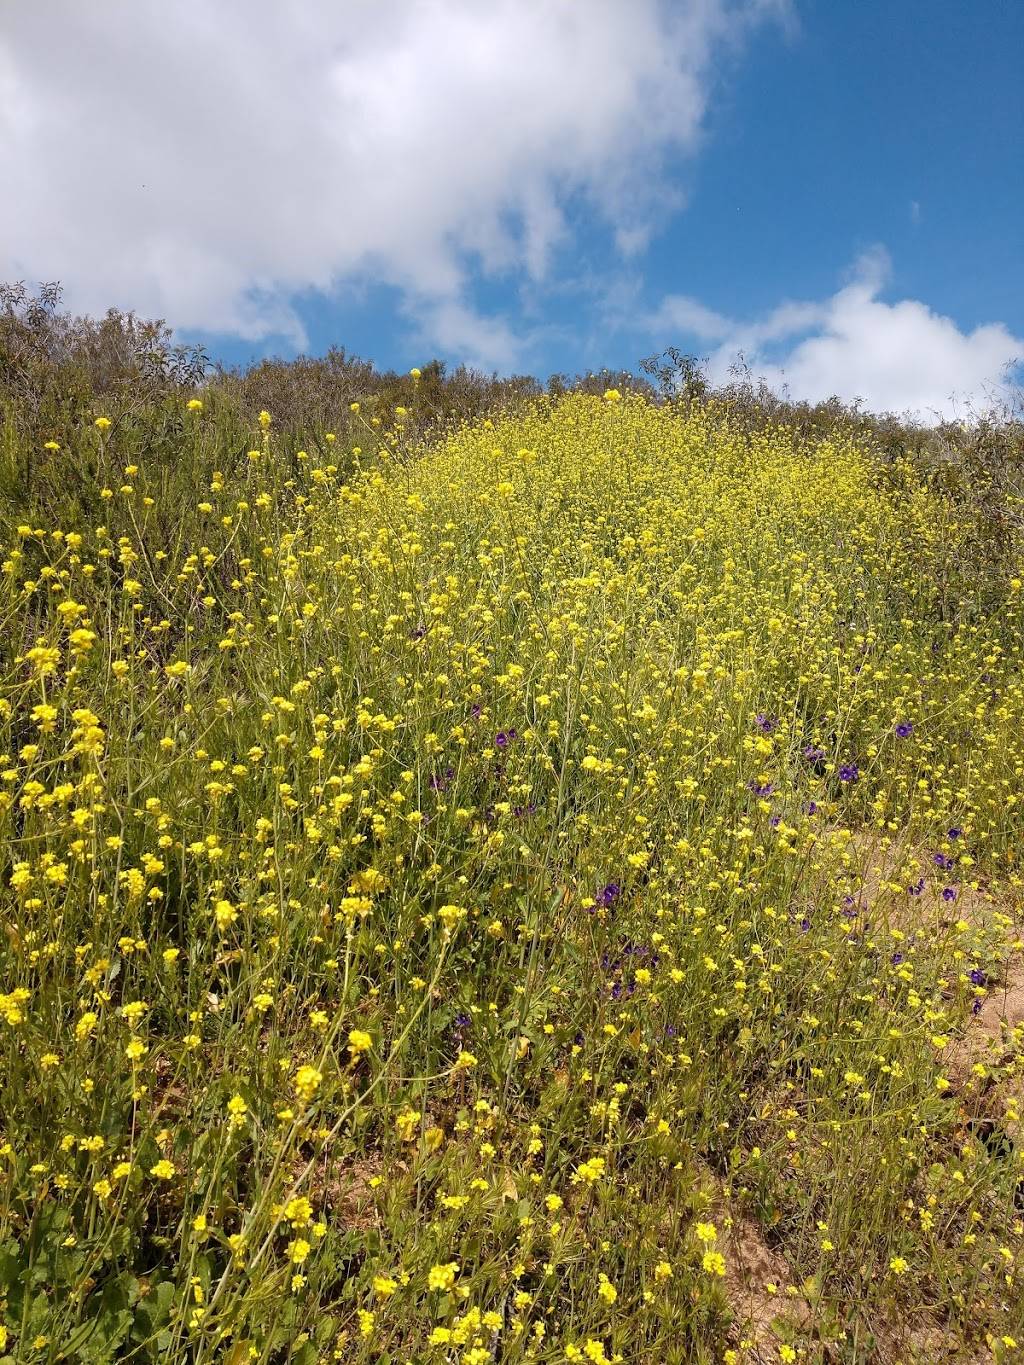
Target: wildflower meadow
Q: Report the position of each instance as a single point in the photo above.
(547, 890)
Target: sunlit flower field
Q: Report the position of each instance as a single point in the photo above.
(548, 896)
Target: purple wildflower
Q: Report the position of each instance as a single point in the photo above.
(849, 772)
(904, 730)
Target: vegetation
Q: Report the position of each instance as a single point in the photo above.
(502, 875)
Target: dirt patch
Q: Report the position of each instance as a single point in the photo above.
(342, 1188)
(900, 886)
(922, 1340)
(1002, 1013)
(759, 1285)
(986, 1065)
(348, 1193)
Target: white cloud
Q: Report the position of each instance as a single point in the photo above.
(896, 357)
(454, 327)
(206, 161)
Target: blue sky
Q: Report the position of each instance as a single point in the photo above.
(893, 123)
(834, 189)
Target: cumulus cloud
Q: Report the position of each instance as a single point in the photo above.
(208, 161)
(896, 357)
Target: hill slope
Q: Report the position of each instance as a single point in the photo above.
(522, 899)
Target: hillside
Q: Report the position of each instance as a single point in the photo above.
(541, 888)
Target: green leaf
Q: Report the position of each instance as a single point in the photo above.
(153, 1311)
